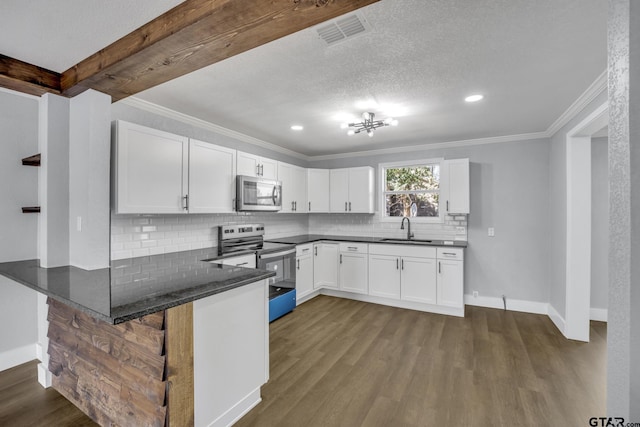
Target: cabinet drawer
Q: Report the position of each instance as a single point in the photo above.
(306, 249)
(360, 248)
(451, 253)
(403, 250)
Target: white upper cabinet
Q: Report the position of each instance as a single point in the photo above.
(150, 170)
(352, 190)
(252, 165)
(318, 190)
(157, 172)
(212, 172)
(294, 188)
(456, 191)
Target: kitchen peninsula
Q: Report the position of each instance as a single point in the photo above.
(150, 340)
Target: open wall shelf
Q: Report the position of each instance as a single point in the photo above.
(32, 160)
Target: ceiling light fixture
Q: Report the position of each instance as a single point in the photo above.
(474, 98)
(368, 124)
(297, 127)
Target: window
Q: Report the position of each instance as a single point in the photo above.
(411, 189)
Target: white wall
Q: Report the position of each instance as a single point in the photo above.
(599, 223)
(18, 231)
(557, 237)
(510, 192)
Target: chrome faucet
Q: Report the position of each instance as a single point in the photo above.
(409, 233)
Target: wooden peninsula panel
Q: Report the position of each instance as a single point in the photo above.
(117, 374)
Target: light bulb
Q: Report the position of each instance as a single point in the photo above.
(370, 133)
(351, 132)
(344, 126)
(394, 122)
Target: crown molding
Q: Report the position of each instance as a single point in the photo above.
(595, 89)
(435, 146)
(141, 104)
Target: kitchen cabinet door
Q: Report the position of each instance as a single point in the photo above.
(318, 190)
(304, 273)
(150, 170)
(361, 190)
(212, 174)
(252, 165)
(339, 190)
(456, 186)
(418, 280)
(450, 283)
(325, 265)
(294, 188)
(353, 272)
(384, 276)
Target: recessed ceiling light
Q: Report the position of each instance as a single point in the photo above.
(297, 127)
(474, 98)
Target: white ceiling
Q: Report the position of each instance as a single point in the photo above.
(531, 60)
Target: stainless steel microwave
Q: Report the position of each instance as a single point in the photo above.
(258, 194)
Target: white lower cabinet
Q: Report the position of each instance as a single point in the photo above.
(384, 273)
(418, 280)
(450, 277)
(304, 271)
(417, 277)
(325, 265)
(352, 268)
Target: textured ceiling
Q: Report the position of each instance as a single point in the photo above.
(58, 34)
(531, 60)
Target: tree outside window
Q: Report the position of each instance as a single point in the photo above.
(412, 191)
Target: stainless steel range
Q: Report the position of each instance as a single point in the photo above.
(277, 257)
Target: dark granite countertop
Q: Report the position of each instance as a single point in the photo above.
(134, 287)
(309, 238)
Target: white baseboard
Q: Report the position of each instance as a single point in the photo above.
(512, 304)
(238, 410)
(307, 297)
(17, 356)
(557, 319)
(599, 314)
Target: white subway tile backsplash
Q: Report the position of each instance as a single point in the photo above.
(137, 235)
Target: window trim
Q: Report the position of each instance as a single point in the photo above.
(382, 185)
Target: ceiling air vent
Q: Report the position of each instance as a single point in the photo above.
(343, 28)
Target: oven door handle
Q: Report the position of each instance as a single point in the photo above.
(278, 254)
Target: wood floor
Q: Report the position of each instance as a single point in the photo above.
(337, 362)
(23, 401)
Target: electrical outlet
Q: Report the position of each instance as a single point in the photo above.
(475, 294)
(491, 232)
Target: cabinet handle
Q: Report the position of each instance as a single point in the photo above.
(305, 250)
(233, 205)
(448, 253)
(185, 206)
(352, 248)
(397, 261)
(340, 258)
(402, 264)
(298, 264)
(292, 206)
(295, 206)
(345, 206)
(349, 206)
(242, 263)
(447, 206)
(257, 170)
(261, 170)
(315, 249)
(309, 206)
(439, 267)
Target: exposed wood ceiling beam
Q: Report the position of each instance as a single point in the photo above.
(27, 78)
(193, 35)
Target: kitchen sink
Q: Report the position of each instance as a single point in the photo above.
(410, 241)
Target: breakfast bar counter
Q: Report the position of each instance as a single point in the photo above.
(154, 340)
